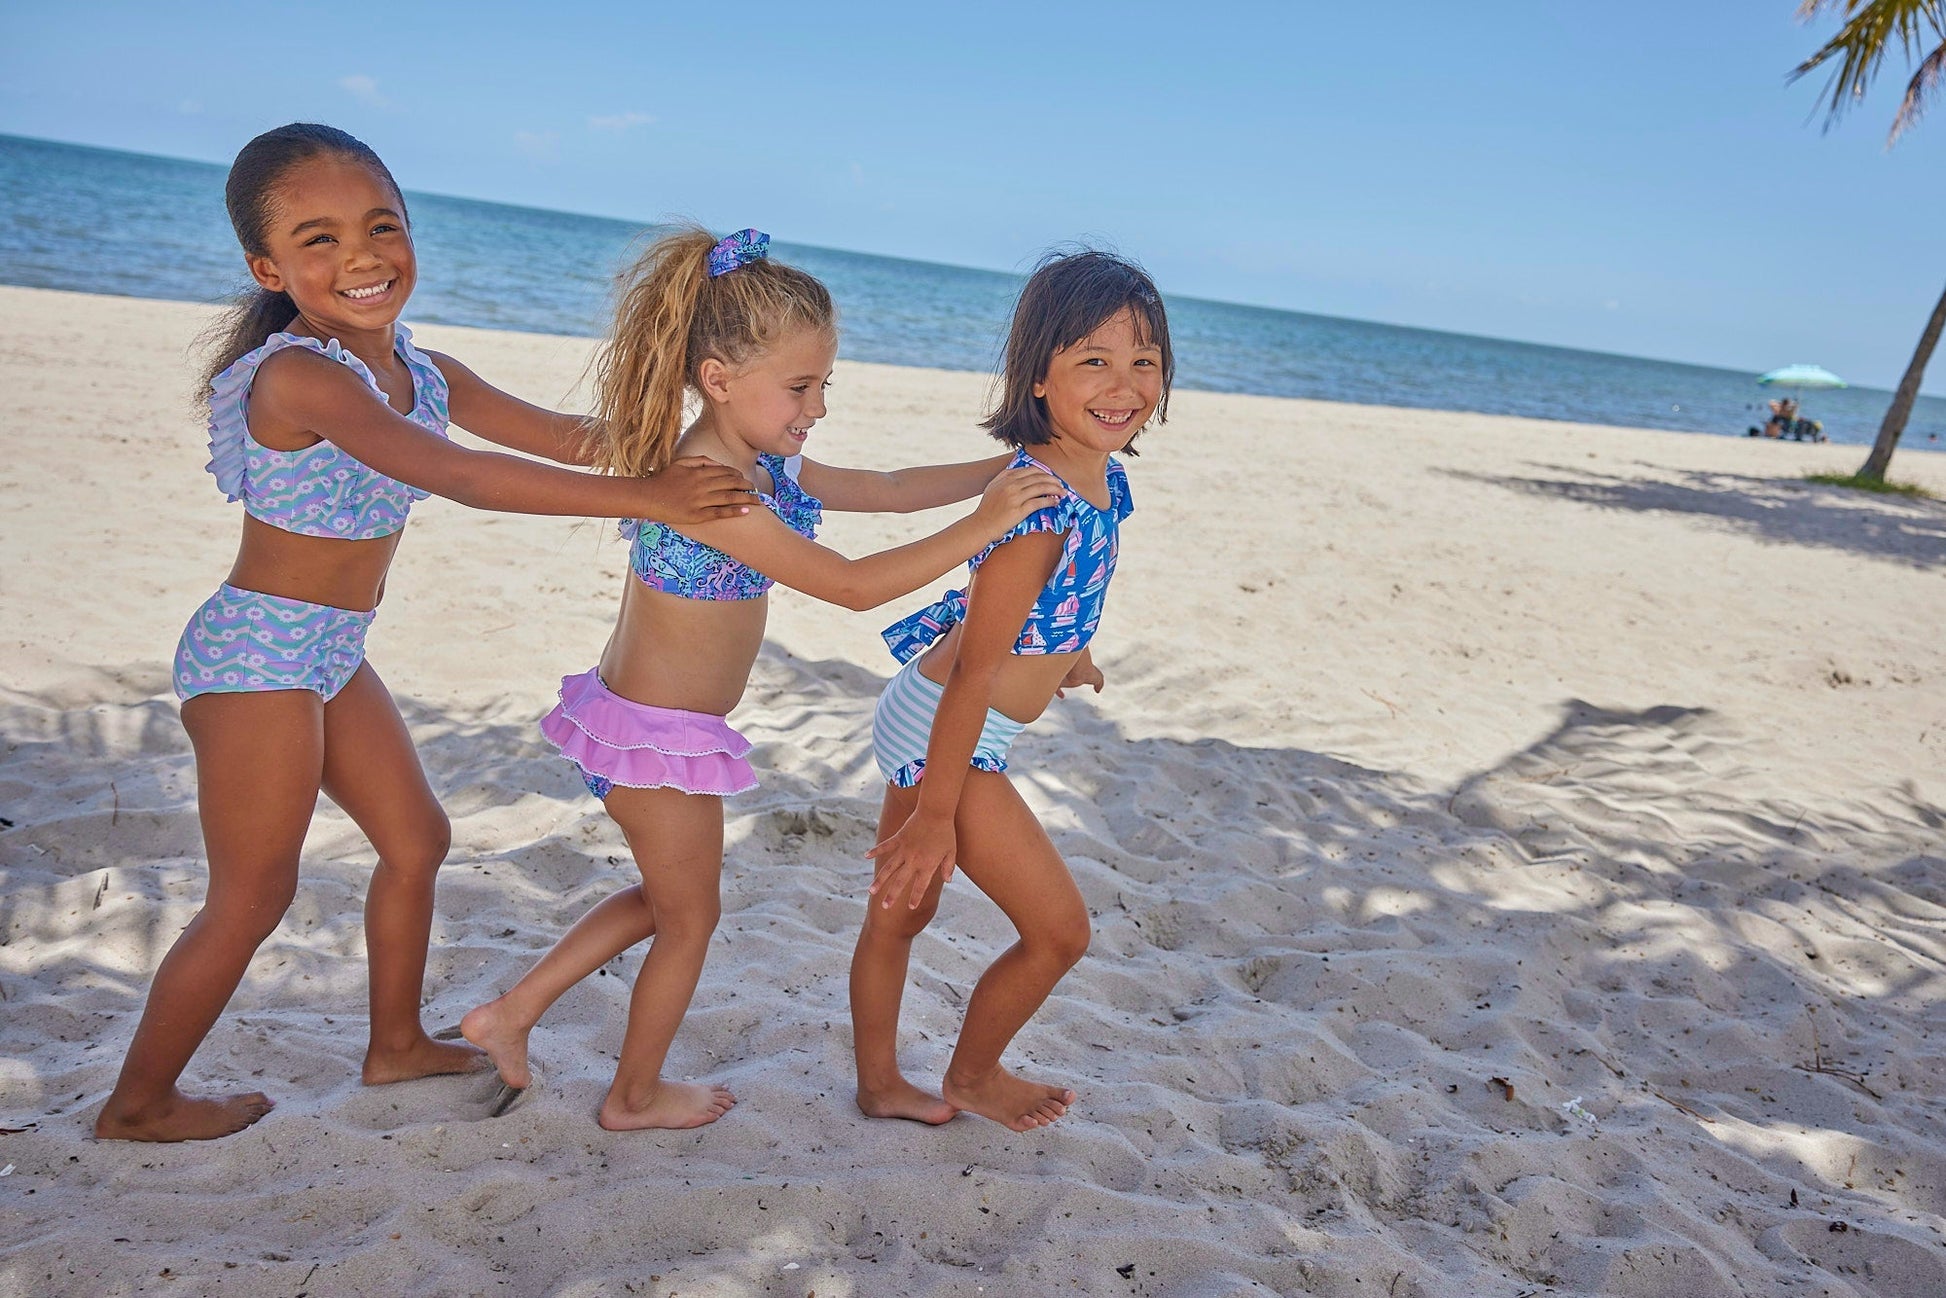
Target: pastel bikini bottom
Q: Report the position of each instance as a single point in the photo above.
(902, 725)
(243, 641)
(612, 740)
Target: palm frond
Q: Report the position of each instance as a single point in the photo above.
(1924, 85)
(1871, 30)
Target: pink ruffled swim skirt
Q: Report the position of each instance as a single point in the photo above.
(612, 740)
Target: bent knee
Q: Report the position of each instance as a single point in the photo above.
(1064, 940)
(694, 922)
(252, 915)
(423, 850)
(901, 922)
(915, 918)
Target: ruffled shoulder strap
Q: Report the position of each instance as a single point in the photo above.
(427, 382)
(1057, 517)
(1120, 502)
(229, 402)
(799, 509)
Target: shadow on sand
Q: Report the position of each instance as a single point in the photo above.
(1328, 1028)
(1782, 510)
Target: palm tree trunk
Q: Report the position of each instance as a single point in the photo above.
(1901, 408)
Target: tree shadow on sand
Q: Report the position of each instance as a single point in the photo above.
(1791, 511)
(1327, 1033)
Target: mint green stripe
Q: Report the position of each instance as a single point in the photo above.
(902, 723)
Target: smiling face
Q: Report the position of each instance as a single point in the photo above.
(771, 400)
(1100, 391)
(337, 243)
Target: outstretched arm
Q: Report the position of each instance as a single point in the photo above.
(766, 544)
(997, 606)
(899, 491)
(486, 411)
(300, 390)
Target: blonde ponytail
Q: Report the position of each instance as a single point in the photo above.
(670, 316)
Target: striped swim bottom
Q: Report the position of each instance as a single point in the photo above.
(902, 725)
(243, 641)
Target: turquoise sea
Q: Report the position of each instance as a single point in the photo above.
(101, 221)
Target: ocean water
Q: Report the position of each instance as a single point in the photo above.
(100, 221)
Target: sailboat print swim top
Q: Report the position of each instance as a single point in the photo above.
(1068, 609)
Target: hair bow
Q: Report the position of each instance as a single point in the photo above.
(739, 249)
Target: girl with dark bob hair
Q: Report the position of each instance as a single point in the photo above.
(1067, 297)
(1088, 365)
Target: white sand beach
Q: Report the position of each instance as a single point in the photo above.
(1517, 853)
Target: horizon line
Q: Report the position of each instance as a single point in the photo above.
(643, 224)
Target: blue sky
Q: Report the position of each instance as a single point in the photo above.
(1629, 178)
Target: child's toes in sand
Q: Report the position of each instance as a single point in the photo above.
(422, 1058)
(1011, 1101)
(669, 1104)
(902, 1099)
(493, 1030)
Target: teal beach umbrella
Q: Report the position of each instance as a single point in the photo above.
(1802, 376)
(1797, 377)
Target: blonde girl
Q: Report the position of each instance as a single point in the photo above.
(753, 341)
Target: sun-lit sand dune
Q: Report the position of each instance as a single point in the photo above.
(1516, 853)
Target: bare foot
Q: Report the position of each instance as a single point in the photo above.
(674, 1104)
(423, 1058)
(904, 1100)
(183, 1117)
(1010, 1101)
(488, 1027)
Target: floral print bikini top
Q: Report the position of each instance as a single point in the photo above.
(320, 490)
(1068, 609)
(672, 563)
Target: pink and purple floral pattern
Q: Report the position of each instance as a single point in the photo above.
(739, 249)
(672, 563)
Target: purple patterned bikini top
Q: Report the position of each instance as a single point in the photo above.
(1068, 609)
(672, 563)
(320, 490)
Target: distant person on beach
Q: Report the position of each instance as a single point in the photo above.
(328, 423)
(1088, 362)
(754, 340)
(1772, 427)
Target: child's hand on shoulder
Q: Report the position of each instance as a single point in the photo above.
(1015, 494)
(1082, 672)
(695, 489)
